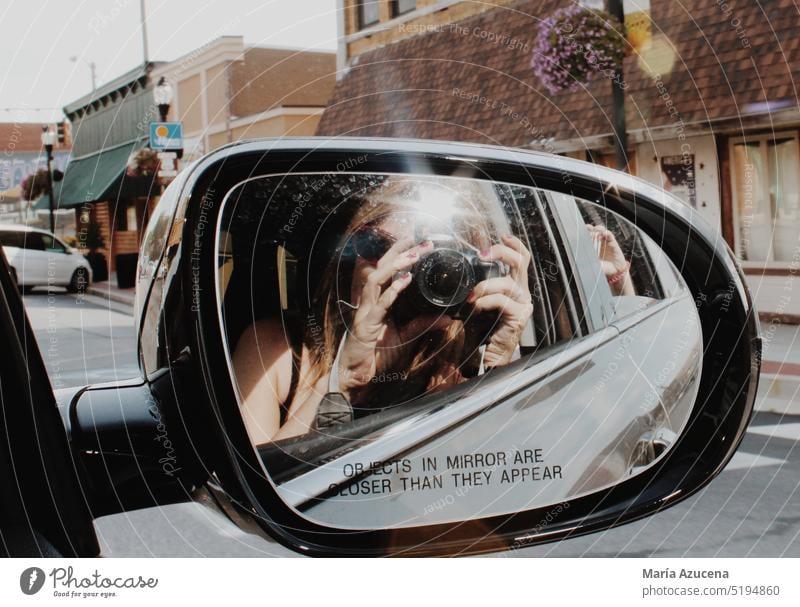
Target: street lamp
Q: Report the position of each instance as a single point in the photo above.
(162, 95)
(48, 141)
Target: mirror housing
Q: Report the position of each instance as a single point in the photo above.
(180, 336)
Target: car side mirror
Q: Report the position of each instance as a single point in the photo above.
(605, 367)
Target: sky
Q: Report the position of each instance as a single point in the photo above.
(41, 36)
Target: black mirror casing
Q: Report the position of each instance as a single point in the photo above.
(182, 346)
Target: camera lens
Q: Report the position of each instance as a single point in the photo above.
(445, 277)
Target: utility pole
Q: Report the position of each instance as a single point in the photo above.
(618, 98)
(143, 17)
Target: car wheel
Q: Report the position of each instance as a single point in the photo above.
(79, 281)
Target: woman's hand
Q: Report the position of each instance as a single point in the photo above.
(509, 296)
(612, 260)
(373, 343)
(610, 253)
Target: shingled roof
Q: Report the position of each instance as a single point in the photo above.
(472, 81)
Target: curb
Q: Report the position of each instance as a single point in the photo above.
(105, 291)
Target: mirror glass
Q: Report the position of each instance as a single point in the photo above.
(411, 350)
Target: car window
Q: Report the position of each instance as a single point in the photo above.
(34, 241)
(11, 239)
(51, 244)
(635, 268)
(558, 313)
(295, 256)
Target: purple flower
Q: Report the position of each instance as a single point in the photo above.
(573, 44)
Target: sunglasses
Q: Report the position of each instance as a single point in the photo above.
(371, 243)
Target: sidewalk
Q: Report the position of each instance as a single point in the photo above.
(109, 290)
(779, 387)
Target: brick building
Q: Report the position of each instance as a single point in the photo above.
(712, 111)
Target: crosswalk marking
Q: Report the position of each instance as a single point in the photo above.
(744, 461)
(788, 431)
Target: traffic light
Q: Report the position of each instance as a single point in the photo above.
(61, 131)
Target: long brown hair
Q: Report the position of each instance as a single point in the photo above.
(440, 353)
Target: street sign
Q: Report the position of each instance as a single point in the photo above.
(166, 136)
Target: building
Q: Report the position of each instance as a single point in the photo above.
(23, 155)
(109, 126)
(222, 92)
(227, 91)
(712, 111)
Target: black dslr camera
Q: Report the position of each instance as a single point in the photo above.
(443, 279)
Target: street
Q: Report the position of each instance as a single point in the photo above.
(82, 340)
(751, 509)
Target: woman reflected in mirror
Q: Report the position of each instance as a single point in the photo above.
(422, 292)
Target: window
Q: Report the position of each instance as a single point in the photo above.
(130, 218)
(616, 268)
(34, 241)
(766, 196)
(403, 6)
(12, 239)
(51, 244)
(644, 276)
(368, 13)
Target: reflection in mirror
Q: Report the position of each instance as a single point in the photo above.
(411, 350)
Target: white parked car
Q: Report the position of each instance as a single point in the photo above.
(38, 258)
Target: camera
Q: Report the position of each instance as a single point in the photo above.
(443, 279)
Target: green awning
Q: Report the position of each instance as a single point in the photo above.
(97, 176)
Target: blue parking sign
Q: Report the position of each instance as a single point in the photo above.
(166, 136)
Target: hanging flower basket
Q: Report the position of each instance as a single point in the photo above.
(574, 44)
(33, 186)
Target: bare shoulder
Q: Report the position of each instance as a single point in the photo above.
(266, 334)
(262, 349)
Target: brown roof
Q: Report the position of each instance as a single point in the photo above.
(23, 137)
(269, 78)
(420, 86)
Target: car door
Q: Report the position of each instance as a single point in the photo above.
(59, 262)
(12, 243)
(33, 261)
(42, 506)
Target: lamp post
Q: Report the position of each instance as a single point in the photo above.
(618, 98)
(162, 95)
(48, 141)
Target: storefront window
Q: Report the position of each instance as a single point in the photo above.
(766, 195)
(368, 13)
(403, 6)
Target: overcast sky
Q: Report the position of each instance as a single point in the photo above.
(40, 36)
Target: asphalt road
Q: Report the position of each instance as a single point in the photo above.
(751, 509)
(82, 340)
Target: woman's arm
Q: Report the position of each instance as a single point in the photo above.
(262, 364)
